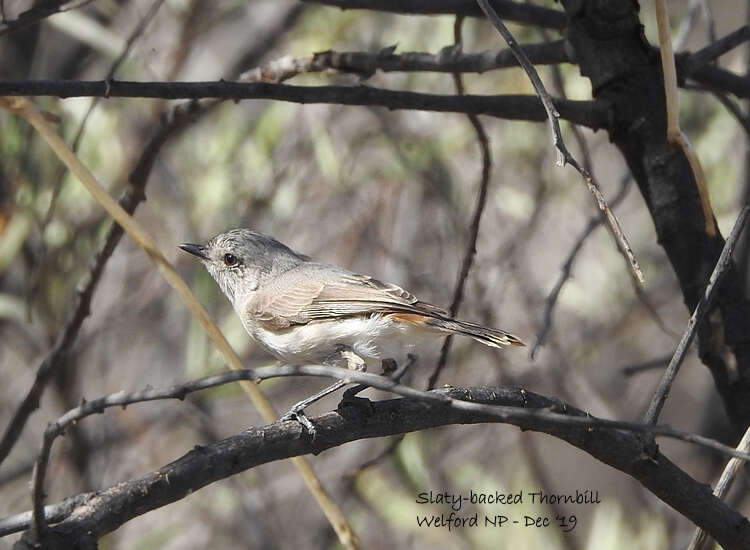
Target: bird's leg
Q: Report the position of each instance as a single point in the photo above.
(390, 369)
(297, 412)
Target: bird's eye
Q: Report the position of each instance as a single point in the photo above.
(230, 260)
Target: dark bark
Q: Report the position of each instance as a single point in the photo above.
(625, 71)
(514, 107)
(101, 512)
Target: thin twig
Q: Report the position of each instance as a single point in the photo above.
(471, 246)
(658, 363)
(722, 487)
(512, 11)
(724, 262)
(563, 155)
(551, 302)
(675, 134)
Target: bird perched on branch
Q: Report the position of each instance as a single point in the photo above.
(306, 312)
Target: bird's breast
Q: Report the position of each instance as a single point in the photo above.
(371, 337)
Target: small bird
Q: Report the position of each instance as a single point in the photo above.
(305, 312)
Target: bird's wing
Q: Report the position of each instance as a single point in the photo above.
(316, 291)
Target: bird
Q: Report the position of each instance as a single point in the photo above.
(307, 312)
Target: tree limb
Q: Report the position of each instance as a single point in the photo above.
(507, 9)
(107, 509)
(517, 107)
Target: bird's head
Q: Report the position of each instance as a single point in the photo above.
(241, 260)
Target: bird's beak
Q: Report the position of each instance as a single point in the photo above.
(195, 249)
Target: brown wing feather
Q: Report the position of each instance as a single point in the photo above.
(316, 291)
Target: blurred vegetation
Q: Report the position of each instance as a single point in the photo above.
(386, 193)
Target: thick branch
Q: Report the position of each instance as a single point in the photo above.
(512, 11)
(517, 107)
(106, 510)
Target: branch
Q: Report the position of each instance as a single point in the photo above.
(592, 114)
(512, 11)
(728, 476)
(714, 50)
(722, 80)
(563, 155)
(567, 268)
(106, 510)
(724, 262)
(38, 13)
(448, 60)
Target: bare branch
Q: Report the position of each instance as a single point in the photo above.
(724, 262)
(592, 114)
(606, 440)
(567, 268)
(722, 80)
(722, 487)
(512, 11)
(448, 60)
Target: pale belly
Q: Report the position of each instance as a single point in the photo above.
(372, 338)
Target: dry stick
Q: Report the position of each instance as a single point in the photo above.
(26, 109)
(471, 247)
(551, 302)
(725, 260)
(563, 155)
(674, 133)
(722, 487)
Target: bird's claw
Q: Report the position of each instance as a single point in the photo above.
(299, 415)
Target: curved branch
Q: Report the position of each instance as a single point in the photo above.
(107, 509)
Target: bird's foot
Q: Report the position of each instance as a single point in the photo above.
(297, 412)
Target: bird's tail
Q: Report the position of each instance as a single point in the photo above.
(488, 336)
